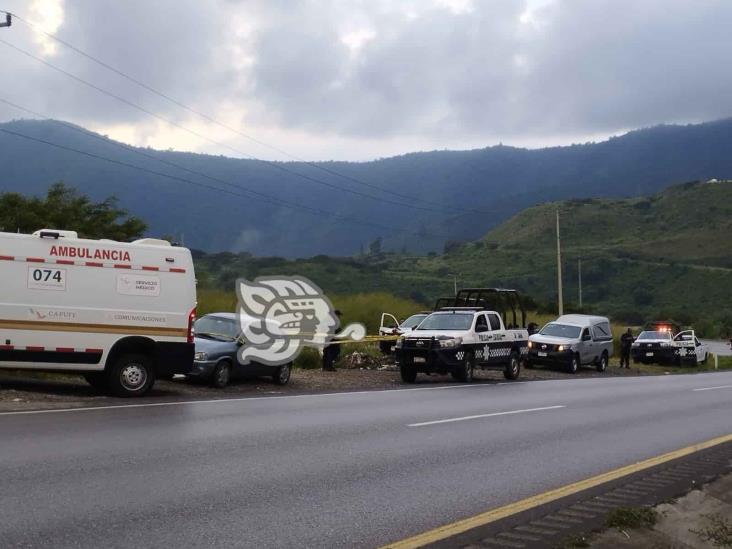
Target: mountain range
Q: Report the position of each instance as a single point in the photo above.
(416, 202)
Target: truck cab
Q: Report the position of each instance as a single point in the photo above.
(464, 335)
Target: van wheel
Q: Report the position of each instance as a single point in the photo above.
(283, 374)
(96, 380)
(131, 375)
(221, 375)
(573, 365)
(408, 373)
(602, 365)
(513, 368)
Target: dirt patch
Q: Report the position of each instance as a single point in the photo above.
(700, 519)
(34, 391)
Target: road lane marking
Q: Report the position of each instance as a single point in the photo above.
(461, 526)
(243, 399)
(479, 416)
(713, 388)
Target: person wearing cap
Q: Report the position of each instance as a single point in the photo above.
(332, 352)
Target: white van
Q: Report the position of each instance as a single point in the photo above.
(119, 313)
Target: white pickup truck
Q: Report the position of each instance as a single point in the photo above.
(461, 338)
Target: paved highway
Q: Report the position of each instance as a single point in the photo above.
(358, 469)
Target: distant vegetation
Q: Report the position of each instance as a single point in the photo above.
(461, 195)
(66, 208)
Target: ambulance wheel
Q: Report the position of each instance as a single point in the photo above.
(513, 368)
(408, 373)
(96, 380)
(283, 374)
(131, 375)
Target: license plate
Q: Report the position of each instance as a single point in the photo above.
(420, 359)
(649, 354)
(542, 354)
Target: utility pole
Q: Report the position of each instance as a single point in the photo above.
(579, 278)
(559, 271)
(8, 20)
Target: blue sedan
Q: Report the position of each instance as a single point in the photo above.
(217, 340)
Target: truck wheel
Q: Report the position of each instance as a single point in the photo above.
(283, 374)
(408, 373)
(131, 375)
(221, 375)
(513, 368)
(573, 365)
(464, 372)
(602, 365)
(96, 380)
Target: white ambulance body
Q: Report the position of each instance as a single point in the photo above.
(119, 313)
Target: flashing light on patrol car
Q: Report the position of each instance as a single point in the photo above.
(121, 314)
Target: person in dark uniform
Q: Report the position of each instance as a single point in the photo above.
(332, 352)
(626, 340)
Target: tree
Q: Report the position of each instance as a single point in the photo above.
(65, 208)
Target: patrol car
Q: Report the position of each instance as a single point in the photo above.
(121, 314)
(467, 333)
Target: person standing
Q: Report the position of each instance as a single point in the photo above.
(626, 341)
(332, 352)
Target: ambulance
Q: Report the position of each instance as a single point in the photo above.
(120, 314)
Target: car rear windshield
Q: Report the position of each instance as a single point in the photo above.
(561, 330)
(413, 321)
(447, 321)
(654, 335)
(216, 326)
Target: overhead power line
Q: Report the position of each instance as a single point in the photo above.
(232, 129)
(276, 165)
(268, 198)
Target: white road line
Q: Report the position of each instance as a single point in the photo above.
(465, 418)
(713, 388)
(243, 399)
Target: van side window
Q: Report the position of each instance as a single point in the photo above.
(495, 321)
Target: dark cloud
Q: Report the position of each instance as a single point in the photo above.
(508, 69)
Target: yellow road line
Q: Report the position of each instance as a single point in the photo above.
(455, 528)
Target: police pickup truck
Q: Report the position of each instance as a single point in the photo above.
(467, 333)
(660, 347)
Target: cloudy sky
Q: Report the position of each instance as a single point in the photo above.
(360, 79)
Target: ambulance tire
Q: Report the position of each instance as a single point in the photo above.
(131, 375)
(96, 380)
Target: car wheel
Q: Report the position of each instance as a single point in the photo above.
(131, 375)
(283, 374)
(221, 375)
(573, 365)
(408, 373)
(602, 365)
(513, 368)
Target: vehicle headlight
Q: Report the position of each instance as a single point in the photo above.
(450, 343)
(531, 344)
(561, 348)
(399, 343)
(200, 356)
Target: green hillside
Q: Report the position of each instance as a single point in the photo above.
(669, 255)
